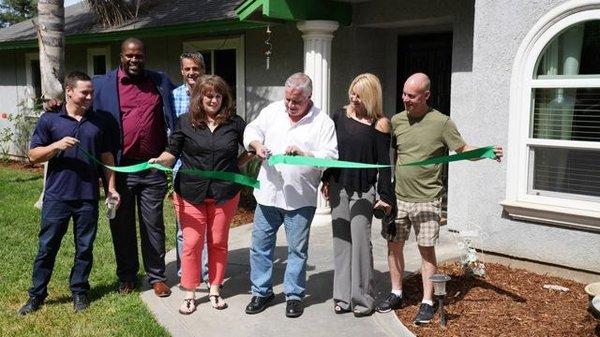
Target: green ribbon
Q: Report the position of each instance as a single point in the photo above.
(484, 152)
(318, 162)
(220, 175)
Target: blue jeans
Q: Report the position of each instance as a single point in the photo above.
(267, 221)
(54, 224)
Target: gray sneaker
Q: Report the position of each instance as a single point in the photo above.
(425, 314)
(392, 302)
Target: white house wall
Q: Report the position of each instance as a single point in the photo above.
(13, 86)
(265, 86)
(476, 189)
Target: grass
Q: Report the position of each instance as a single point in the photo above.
(110, 314)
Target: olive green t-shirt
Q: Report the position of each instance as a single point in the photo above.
(416, 139)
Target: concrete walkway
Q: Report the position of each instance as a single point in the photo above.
(318, 319)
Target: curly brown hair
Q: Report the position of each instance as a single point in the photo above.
(211, 84)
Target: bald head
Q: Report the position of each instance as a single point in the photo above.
(419, 80)
(415, 94)
(132, 40)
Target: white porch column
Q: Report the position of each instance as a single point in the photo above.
(317, 36)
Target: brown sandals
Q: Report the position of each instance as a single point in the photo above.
(217, 302)
(188, 306)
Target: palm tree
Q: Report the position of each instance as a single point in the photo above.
(51, 42)
(50, 27)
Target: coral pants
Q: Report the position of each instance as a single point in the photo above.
(196, 220)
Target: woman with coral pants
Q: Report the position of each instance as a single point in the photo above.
(205, 138)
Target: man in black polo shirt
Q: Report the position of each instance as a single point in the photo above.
(71, 187)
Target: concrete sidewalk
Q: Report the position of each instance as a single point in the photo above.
(318, 318)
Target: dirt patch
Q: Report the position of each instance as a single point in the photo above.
(245, 211)
(22, 165)
(507, 302)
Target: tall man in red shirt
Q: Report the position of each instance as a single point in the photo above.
(140, 104)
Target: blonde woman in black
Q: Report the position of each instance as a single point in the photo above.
(363, 135)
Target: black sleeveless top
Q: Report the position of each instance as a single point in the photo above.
(359, 142)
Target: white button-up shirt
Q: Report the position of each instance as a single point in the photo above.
(289, 186)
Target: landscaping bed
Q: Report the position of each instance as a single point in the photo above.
(22, 165)
(245, 212)
(507, 302)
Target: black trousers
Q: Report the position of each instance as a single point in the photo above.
(143, 192)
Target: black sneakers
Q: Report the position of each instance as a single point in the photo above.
(392, 302)
(33, 304)
(80, 302)
(425, 314)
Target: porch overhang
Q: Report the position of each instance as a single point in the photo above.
(294, 10)
(206, 27)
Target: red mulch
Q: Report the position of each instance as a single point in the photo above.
(245, 211)
(22, 165)
(507, 302)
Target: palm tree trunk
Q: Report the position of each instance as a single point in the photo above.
(51, 41)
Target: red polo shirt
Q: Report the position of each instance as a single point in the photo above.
(144, 134)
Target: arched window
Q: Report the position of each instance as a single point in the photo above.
(554, 126)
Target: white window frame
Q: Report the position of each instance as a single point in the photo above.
(91, 52)
(237, 43)
(519, 204)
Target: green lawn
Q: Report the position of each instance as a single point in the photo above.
(110, 314)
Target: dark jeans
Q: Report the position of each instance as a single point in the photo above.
(144, 191)
(54, 224)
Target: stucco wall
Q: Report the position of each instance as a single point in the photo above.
(12, 91)
(12, 75)
(475, 189)
(265, 86)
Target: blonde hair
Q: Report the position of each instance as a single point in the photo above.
(368, 87)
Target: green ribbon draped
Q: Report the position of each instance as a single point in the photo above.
(483, 152)
(318, 162)
(220, 175)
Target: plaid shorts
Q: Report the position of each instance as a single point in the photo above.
(423, 216)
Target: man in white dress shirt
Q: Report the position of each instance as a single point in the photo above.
(288, 194)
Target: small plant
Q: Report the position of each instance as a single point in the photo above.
(6, 135)
(18, 136)
(469, 258)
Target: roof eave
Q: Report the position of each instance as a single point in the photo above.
(206, 27)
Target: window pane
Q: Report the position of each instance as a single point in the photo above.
(36, 78)
(566, 113)
(575, 51)
(99, 64)
(207, 55)
(570, 171)
(225, 67)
